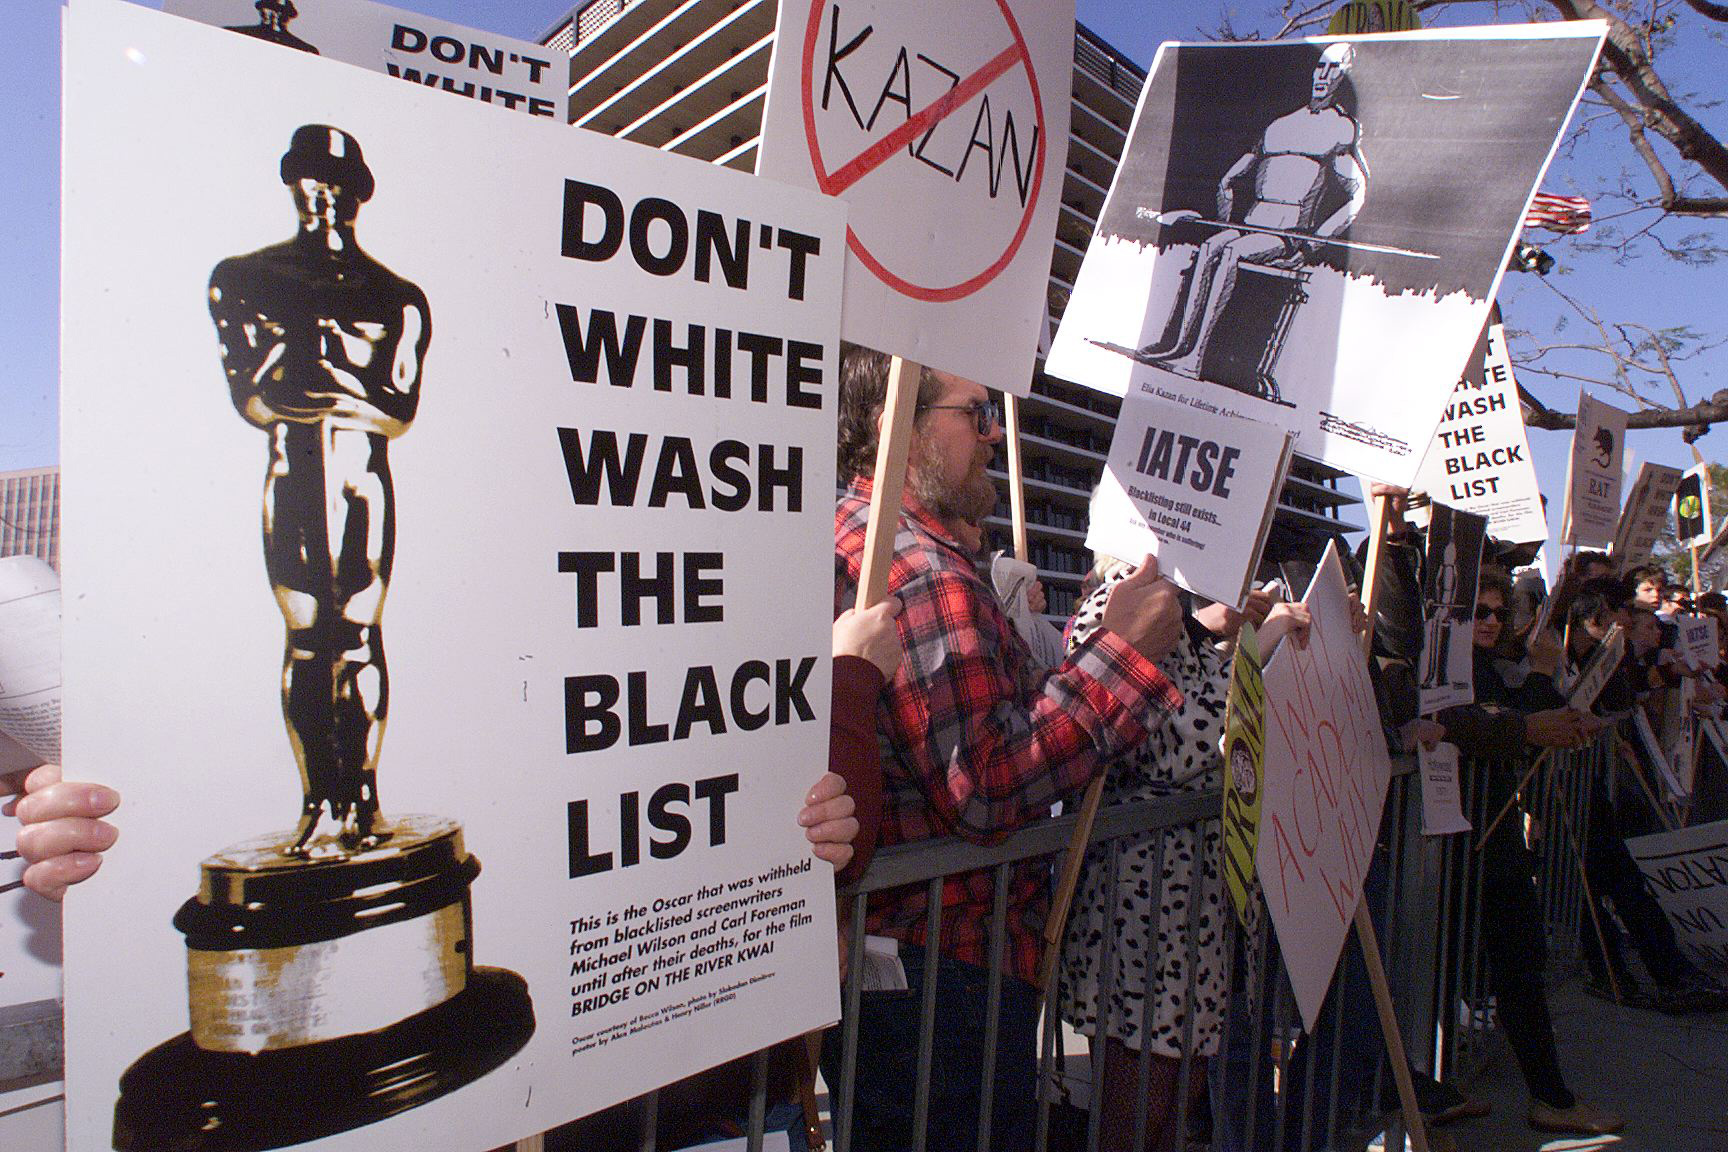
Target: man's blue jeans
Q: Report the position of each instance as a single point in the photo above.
(887, 1070)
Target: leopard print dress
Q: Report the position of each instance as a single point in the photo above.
(1155, 909)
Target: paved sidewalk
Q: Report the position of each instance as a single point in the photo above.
(1668, 1075)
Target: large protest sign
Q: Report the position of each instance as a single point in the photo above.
(1688, 872)
(571, 403)
(944, 127)
(1327, 771)
(1645, 516)
(1593, 473)
(1311, 232)
(516, 75)
(1195, 490)
(1479, 460)
(1692, 508)
(1455, 541)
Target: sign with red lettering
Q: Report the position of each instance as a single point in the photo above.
(944, 128)
(1327, 770)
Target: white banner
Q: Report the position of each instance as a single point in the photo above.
(516, 75)
(1327, 771)
(1688, 873)
(1479, 460)
(550, 392)
(1645, 517)
(1593, 490)
(1195, 490)
(944, 127)
(1311, 232)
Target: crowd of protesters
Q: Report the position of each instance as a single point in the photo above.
(947, 725)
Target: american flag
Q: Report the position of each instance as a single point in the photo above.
(1563, 214)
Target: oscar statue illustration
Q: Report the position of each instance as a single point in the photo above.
(274, 16)
(330, 967)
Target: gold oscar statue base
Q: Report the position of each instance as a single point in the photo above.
(327, 991)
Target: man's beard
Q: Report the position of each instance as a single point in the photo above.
(971, 500)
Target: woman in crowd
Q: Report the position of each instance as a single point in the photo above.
(1497, 730)
(1153, 910)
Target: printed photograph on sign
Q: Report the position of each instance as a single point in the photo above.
(465, 708)
(944, 128)
(1297, 227)
(1455, 541)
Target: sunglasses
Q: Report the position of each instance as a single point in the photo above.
(986, 412)
(1483, 611)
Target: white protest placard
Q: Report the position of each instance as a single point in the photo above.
(1697, 641)
(1645, 516)
(1692, 528)
(944, 127)
(516, 75)
(1479, 460)
(1327, 771)
(1195, 490)
(1442, 804)
(1312, 232)
(1454, 560)
(433, 366)
(1655, 755)
(1687, 871)
(1597, 670)
(1593, 488)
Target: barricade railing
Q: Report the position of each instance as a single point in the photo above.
(1269, 1085)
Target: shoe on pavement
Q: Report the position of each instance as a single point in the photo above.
(1690, 995)
(1579, 1120)
(1467, 1108)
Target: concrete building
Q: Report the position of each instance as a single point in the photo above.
(30, 514)
(691, 76)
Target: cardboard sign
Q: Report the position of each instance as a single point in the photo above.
(1593, 483)
(1597, 670)
(1479, 460)
(1245, 757)
(1687, 871)
(594, 477)
(944, 127)
(1692, 508)
(1198, 491)
(515, 75)
(1327, 771)
(1455, 541)
(1698, 644)
(1311, 233)
(1442, 802)
(1645, 517)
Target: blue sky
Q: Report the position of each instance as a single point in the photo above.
(1649, 290)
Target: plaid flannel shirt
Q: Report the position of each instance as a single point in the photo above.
(976, 740)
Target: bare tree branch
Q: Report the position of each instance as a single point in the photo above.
(1712, 411)
(1708, 10)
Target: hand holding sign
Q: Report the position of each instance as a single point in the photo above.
(1145, 610)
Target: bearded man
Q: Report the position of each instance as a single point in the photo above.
(978, 740)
